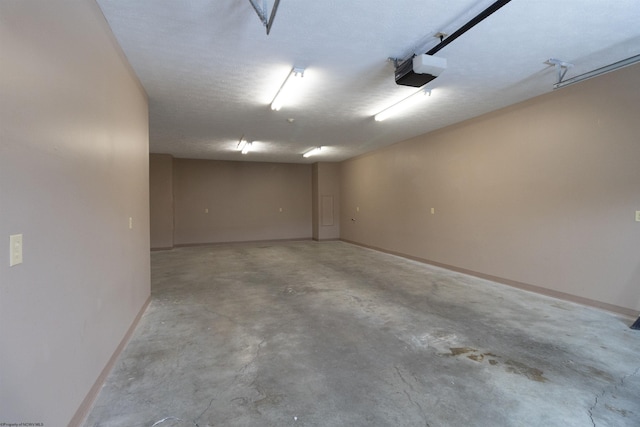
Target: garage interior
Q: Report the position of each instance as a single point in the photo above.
(470, 261)
(332, 334)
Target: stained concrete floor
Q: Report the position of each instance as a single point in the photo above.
(331, 334)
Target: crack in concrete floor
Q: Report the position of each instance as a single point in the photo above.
(180, 420)
(611, 390)
(329, 334)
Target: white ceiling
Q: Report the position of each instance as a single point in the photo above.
(211, 71)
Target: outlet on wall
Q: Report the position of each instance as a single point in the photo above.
(15, 249)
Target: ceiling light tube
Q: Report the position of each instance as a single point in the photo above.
(288, 88)
(246, 148)
(402, 105)
(312, 152)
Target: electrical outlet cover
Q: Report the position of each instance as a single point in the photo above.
(15, 248)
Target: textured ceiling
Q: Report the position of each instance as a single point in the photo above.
(211, 71)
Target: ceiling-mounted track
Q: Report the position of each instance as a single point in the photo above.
(602, 70)
(418, 70)
(469, 25)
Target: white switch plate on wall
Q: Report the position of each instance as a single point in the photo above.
(130, 223)
(15, 249)
(638, 216)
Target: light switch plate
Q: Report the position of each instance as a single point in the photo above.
(130, 223)
(15, 249)
(638, 216)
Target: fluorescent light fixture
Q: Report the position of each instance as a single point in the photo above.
(288, 88)
(312, 152)
(403, 105)
(246, 148)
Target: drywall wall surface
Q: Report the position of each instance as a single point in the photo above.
(326, 201)
(315, 199)
(73, 170)
(161, 200)
(223, 201)
(543, 193)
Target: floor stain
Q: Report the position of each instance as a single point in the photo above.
(561, 306)
(475, 355)
(304, 290)
(622, 412)
(269, 399)
(240, 400)
(457, 351)
(533, 374)
(595, 372)
(513, 367)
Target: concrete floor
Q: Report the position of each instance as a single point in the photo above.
(330, 334)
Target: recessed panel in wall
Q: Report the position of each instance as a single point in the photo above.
(326, 207)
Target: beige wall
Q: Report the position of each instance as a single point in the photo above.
(161, 200)
(326, 201)
(243, 200)
(543, 193)
(73, 169)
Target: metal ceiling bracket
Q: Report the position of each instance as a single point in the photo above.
(441, 36)
(262, 13)
(602, 70)
(240, 142)
(561, 67)
(395, 61)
